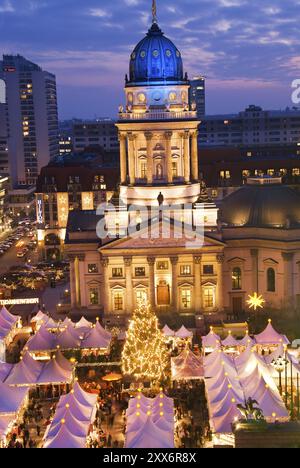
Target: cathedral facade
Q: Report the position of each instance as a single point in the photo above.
(252, 244)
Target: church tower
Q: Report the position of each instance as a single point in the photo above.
(158, 127)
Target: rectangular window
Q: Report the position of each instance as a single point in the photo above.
(185, 270)
(208, 269)
(140, 272)
(144, 170)
(186, 298)
(94, 296)
(118, 301)
(174, 169)
(93, 268)
(162, 265)
(208, 298)
(141, 296)
(117, 272)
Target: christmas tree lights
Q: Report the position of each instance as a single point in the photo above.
(145, 354)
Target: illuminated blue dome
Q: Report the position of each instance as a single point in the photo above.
(155, 59)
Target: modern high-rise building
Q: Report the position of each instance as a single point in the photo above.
(31, 108)
(4, 165)
(197, 95)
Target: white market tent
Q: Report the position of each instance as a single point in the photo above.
(187, 366)
(270, 337)
(150, 436)
(183, 333)
(64, 439)
(246, 341)
(74, 415)
(211, 341)
(8, 328)
(230, 341)
(12, 399)
(5, 370)
(84, 324)
(25, 373)
(150, 422)
(69, 338)
(98, 338)
(168, 332)
(40, 318)
(57, 371)
(43, 340)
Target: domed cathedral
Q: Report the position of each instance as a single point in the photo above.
(251, 245)
(158, 127)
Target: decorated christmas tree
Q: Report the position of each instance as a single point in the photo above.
(145, 354)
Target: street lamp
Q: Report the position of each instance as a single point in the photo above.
(279, 365)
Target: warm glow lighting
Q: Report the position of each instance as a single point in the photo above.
(256, 301)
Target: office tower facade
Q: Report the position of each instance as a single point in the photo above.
(4, 165)
(251, 127)
(31, 106)
(197, 95)
(98, 133)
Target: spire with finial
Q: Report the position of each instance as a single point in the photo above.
(154, 12)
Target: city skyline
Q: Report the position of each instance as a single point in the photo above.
(247, 50)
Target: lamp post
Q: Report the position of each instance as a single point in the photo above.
(279, 365)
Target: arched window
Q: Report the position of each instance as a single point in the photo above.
(271, 280)
(236, 278)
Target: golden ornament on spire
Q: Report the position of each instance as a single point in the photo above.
(256, 301)
(154, 12)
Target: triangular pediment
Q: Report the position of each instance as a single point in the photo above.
(163, 235)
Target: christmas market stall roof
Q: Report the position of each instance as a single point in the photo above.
(70, 338)
(247, 340)
(64, 439)
(211, 341)
(98, 338)
(39, 318)
(74, 415)
(7, 322)
(230, 341)
(5, 370)
(43, 340)
(167, 331)
(26, 372)
(56, 371)
(187, 366)
(270, 337)
(11, 399)
(150, 436)
(183, 333)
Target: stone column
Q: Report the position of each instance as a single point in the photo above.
(195, 167)
(254, 256)
(168, 138)
(123, 158)
(220, 261)
(82, 284)
(149, 137)
(288, 277)
(151, 263)
(105, 286)
(197, 283)
(187, 165)
(129, 285)
(131, 158)
(174, 262)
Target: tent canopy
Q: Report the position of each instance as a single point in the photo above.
(271, 337)
(11, 399)
(187, 366)
(183, 333)
(167, 331)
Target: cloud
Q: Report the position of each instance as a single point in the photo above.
(6, 7)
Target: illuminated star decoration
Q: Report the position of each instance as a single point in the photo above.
(256, 301)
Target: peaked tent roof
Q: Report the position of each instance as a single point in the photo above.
(43, 340)
(184, 333)
(54, 373)
(65, 439)
(70, 338)
(211, 340)
(83, 323)
(230, 341)
(150, 436)
(187, 366)
(8, 317)
(75, 426)
(270, 336)
(167, 331)
(26, 372)
(11, 398)
(95, 340)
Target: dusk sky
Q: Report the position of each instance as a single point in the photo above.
(248, 50)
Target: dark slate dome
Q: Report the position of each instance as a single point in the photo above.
(265, 206)
(155, 59)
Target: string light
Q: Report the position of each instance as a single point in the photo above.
(145, 354)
